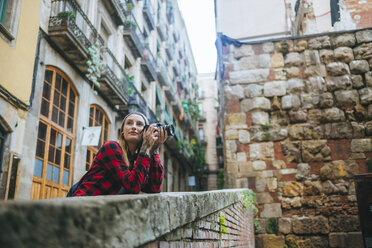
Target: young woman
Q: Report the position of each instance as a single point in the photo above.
(128, 166)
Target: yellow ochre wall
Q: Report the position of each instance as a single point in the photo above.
(17, 62)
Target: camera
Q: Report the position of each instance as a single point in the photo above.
(168, 128)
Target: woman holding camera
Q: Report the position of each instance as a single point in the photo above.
(128, 166)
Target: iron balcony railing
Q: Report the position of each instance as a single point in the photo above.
(169, 49)
(116, 72)
(163, 75)
(176, 68)
(134, 36)
(169, 12)
(148, 64)
(68, 15)
(148, 12)
(162, 28)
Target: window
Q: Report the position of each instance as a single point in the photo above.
(9, 17)
(55, 138)
(97, 118)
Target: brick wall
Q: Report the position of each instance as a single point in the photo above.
(209, 232)
(297, 128)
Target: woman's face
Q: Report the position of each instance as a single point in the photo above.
(133, 127)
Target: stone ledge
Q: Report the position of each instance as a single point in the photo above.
(105, 221)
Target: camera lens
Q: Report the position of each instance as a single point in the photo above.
(170, 129)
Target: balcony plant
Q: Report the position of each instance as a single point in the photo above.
(67, 13)
(95, 64)
(130, 23)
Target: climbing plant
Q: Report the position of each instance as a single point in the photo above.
(248, 198)
(222, 225)
(192, 108)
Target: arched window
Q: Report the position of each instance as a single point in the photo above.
(56, 136)
(97, 118)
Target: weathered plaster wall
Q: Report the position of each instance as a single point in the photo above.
(174, 219)
(297, 127)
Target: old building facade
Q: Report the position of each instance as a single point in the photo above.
(97, 61)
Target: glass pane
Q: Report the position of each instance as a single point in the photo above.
(71, 109)
(56, 174)
(42, 131)
(59, 140)
(44, 110)
(67, 161)
(91, 112)
(64, 87)
(48, 76)
(56, 98)
(58, 157)
(53, 134)
(105, 135)
(51, 154)
(40, 148)
(46, 91)
(68, 145)
(70, 124)
(63, 104)
(66, 175)
(72, 95)
(38, 169)
(90, 122)
(49, 172)
(54, 114)
(62, 118)
(100, 117)
(88, 157)
(58, 82)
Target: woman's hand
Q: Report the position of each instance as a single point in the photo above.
(153, 137)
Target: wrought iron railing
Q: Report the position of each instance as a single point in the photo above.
(149, 58)
(68, 14)
(163, 71)
(170, 50)
(148, 10)
(131, 25)
(116, 72)
(162, 28)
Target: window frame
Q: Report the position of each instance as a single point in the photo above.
(9, 33)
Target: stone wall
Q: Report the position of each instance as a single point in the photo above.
(192, 219)
(297, 127)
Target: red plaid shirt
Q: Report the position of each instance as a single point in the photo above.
(109, 174)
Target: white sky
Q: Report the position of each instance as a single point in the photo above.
(199, 20)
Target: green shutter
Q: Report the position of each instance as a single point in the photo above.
(3, 5)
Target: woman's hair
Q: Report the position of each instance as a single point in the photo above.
(123, 144)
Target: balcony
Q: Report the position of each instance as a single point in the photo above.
(177, 106)
(148, 13)
(133, 36)
(72, 32)
(148, 65)
(115, 10)
(176, 35)
(137, 103)
(176, 68)
(169, 49)
(169, 12)
(162, 28)
(170, 91)
(114, 83)
(163, 75)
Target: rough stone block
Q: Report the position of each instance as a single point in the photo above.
(259, 165)
(359, 66)
(368, 76)
(249, 76)
(345, 40)
(293, 72)
(344, 223)
(315, 71)
(365, 95)
(364, 36)
(290, 101)
(242, 183)
(243, 51)
(298, 115)
(326, 100)
(245, 169)
(277, 88)
(271, 210)
(277, 60)
(357, 81)
(244, 137)
(363, 51)
(316, 85)
(269, 240)
(310, 225)
(279, 164)
(268, 47)
(361, 145)
(332, 115)
(344, 54)
(231, 134)
(293, 189)
(295, 85)
(241, 156)
(285, 225)
(311, 57)
(310, 100)
(261, 151)
(319, 43)
(272, 184)
(300, 45)
(338, 83)
(253, 90)
(256, 103)
(260, 118)
(293, 59)
(253, 62)
(346, 97)
(263, 198)
(337, 69)
(327, 56)
(235, 91)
